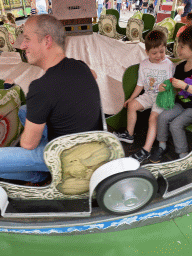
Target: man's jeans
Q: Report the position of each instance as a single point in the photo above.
(17, 163)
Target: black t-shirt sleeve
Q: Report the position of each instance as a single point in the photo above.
(176, 72)
(179, 71)
(38, 104)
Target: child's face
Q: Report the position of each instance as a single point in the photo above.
(156, 55)
(184, 51)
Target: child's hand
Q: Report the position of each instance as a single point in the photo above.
(162, 87)
(127, 102)
(178, 83)
(9, 81)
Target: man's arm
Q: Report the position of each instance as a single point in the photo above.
(31, 135)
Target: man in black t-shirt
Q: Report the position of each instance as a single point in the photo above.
(65, 99)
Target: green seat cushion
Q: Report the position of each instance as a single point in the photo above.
(2, 84)
(137, 15)
(169, 23)
(189, 128)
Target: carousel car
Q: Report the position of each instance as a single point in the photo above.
(90, 167)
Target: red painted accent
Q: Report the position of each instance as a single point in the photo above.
(7, 131)
(162, 15)
(165, 7)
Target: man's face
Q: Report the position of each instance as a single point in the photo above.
(33, 47)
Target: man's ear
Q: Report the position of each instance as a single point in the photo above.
(48, 41)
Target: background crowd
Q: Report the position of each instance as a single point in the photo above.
(142, 5)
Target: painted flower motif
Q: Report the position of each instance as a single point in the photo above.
(4, 128)
(134, 32)
(107, 28)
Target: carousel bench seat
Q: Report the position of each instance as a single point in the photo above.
(71, 159)
(130, 77)
(172, 27)
(134, 30)
(129, 83)
(148, 21)
(107, 26)
(6, 40)
(115, 21)
(178, 25)
(120, 30)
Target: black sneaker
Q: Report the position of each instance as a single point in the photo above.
(157, 155)
(124, 136)
(141, 155)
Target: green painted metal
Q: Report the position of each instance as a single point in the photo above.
(129, 82)
(173, 14)
(172, 237)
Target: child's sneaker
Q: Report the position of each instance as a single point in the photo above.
(141, 155)
(124, 136)
(157, 155)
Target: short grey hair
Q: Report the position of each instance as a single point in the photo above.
(49, 25)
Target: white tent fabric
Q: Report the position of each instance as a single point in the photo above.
(108, 57)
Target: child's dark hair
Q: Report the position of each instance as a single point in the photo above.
(189, 16)
(11, 17)
(154, 39)
(186, 37)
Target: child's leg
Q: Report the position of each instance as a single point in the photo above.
(163, 123)
(178, 133)
(133, 107)
(164, 120)
(152, 131)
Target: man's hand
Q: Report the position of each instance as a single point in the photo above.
(162, 87)
(179, 84)
(31, 135)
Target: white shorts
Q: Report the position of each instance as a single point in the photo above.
(148, 100)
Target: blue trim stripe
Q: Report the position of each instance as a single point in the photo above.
(104, 225)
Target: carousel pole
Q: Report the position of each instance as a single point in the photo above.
(174, 6)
